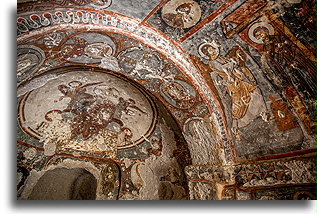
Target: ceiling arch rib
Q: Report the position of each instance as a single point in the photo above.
(30, 25)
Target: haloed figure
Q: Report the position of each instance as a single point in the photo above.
(182, 16)
(231, 73)
(98, 50)
(288, 61)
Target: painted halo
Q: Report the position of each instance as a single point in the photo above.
(266, 25)
(201, 53)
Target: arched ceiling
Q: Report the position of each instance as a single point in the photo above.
(241, 69)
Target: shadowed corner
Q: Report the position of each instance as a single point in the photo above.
(12, 114)
(170, 205)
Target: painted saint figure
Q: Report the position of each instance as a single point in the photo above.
(182, 16)
(73, 50)
(90, 113)
(282, 52)
(242, 83)
(83, 49)
(178, 93)
(237, 80)
(289, 63)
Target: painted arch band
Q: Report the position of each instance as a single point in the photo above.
(112, 22)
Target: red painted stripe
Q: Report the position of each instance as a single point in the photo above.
(153, 11)
(207, 20)
(199, 180)
(30, 146)
(89, 158)
(284, 155)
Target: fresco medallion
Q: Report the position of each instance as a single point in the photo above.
(88, 111)
(179, 94)
(87, 48)
(181, 13)
(29, 59)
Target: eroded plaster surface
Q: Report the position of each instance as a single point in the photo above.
(170, 99)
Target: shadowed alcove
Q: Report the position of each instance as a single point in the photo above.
(65, 184)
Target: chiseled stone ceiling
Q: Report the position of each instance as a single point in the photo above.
(170, 99)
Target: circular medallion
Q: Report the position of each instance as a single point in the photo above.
(141, 64)
(88, 111)
(179, 94)
(181, 13)
(29, 60)
(304, 195)
(87, 48)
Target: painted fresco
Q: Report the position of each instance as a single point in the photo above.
(167, 100)
(177, 17)
(91, 111)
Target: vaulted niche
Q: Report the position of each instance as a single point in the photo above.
(96, 116)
